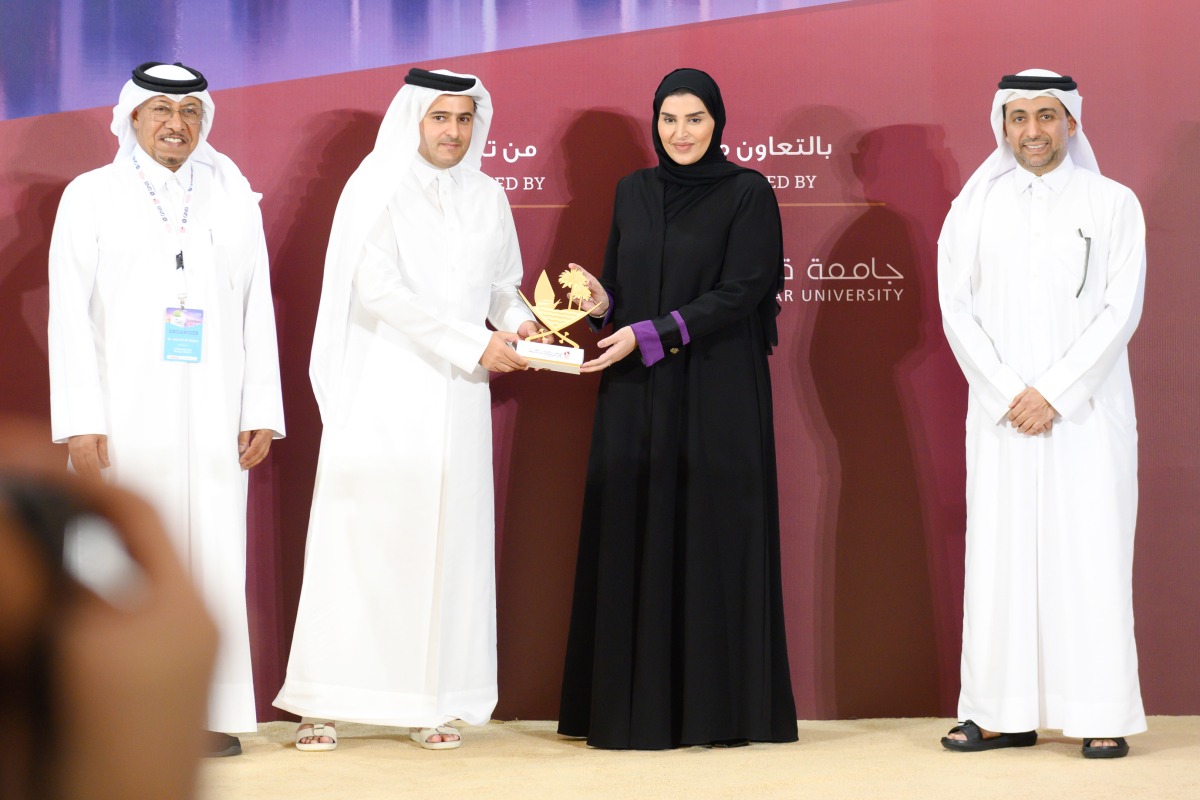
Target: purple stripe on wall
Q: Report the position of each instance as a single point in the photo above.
(62, 55)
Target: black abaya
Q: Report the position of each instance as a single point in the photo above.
(677, 633)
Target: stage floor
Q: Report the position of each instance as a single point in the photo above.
(879, 759)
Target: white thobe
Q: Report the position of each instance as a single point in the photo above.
(397, 616)
(1048, 611)
(172, 427)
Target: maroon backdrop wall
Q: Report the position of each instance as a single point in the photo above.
(869, 402)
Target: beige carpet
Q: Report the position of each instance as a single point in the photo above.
(890, 759)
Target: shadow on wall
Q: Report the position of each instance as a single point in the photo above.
(544, 423)
(1165, 372)
(809, 474)
(867, 336)
(929, 383)
(25, 248)
(297, 218)
(25, 299)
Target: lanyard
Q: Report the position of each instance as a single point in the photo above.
(178, 235)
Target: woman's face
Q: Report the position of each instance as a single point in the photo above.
(685, 128)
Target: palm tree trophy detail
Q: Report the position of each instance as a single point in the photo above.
(545, 307)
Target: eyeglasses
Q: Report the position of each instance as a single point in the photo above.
(190, 114)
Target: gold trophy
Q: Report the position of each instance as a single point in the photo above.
(555, 321)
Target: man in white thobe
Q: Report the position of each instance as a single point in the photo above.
(164, 368)
(397, 616)
(1041, 268)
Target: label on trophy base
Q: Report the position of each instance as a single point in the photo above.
(551, 356)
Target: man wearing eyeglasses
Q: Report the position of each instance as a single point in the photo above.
(1041, 274)
(164, 370)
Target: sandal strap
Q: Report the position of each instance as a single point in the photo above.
(968, 729)
(318, 731)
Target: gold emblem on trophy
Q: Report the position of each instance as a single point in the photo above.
(555, 321)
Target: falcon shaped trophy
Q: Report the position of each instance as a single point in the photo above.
(555, 321)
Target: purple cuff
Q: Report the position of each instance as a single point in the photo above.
(682, 326)
(648, 342)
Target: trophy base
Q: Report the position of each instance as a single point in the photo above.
(551, 356)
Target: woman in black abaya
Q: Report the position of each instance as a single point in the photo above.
(677, 633)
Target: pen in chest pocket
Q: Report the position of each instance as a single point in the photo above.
(1087, 257)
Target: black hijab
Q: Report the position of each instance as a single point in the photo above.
(684, 182)
(712, 166)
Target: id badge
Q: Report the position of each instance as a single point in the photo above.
(183, 334)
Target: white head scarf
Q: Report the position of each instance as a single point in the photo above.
(133, 95)
(1078, 145)
(961, 232)
(362, 202)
